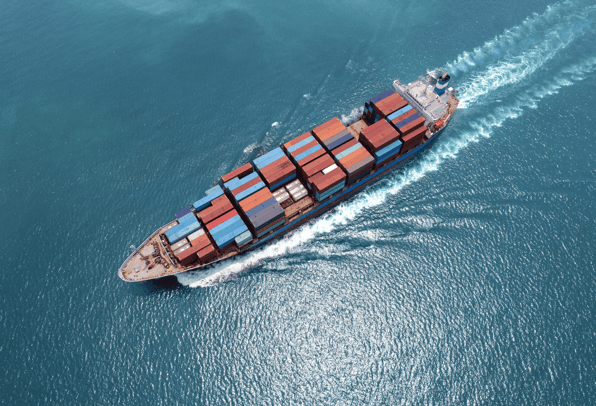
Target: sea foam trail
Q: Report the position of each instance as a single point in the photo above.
(512, 41)
(541, 47)
(481, 128)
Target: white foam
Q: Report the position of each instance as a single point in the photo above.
(352, 116)
(517, 68)
(346, 212)
(276, 124)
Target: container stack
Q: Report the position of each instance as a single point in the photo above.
(263, 211)
(257, 202)
(226, 228)
(297, 190)
(199, 249)
(304, 149)
(406, 120)
(324, 177)
(283, 197)
(238, 173)
(275, 168)
(369, 114)
(212, 194)
(332, 134)
(354, 159)
(413, 138)
(187, 224)
(382, 140)
(388, 105)
(241, 188)
(217, 207)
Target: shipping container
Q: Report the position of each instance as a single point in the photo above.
(179, 244)
(243, 238)
(207, 253)
(218, 207)
(211, 225)
(378, 136)
(238, 173)
(412, 126)
(181, 249)
(327, 130)
(205, 201)
(388, 105)
(183, 213)
(182, 230)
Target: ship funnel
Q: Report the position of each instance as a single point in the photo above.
(442, 84)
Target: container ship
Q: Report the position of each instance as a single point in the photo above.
(264, 199)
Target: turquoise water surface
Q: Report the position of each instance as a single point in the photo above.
(465, 277)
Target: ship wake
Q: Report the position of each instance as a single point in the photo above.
(521, 96)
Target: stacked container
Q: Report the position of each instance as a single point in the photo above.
(324, 177)
(187, 224)
(406, 120)
(297, 190)
(275, 168)
(199, 248)
(241, 188)
(388, 105)
(283, 197)
(217, 207)
(332, 134)
(354, 159)
(413, 138)
(382, 140)
(369, 114)
(304, 149)
(238, 173)
(263, 211)
(226, 228)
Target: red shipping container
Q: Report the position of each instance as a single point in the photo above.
(247, 185)
(221, 219)
(414, 125)
(201, 242)
(256, 199)
(407, 114)
(206, 253)
(211, 213)
(317, 165)
(328, 130)
(304, 148)
(326, 182)
(389, 105)
(311, 157)
(239, 172)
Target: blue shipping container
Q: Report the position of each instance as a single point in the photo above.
(181, 231)
(268, 158)
(301, 144)
(388, 149)
(225, 239)
(243, 238)
(399, 112)
(348, 151)
(183, 213)
(340, 141)
(236, 182)
(250, 191)
(214, 189)
(260, 207)
(407, 120)
(308, 152)
(381, 96)
(206, 201)
(331, 191)
(215, 230)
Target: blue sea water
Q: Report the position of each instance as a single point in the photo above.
(465, 277)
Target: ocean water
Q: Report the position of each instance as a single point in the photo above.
(465, 277)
